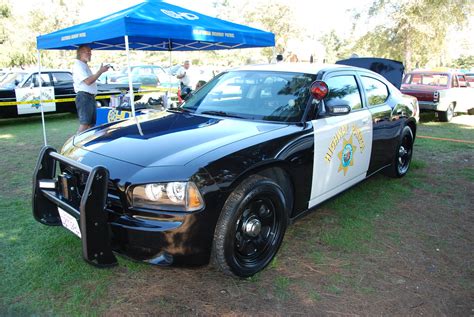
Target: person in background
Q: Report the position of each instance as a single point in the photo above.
(183, 75)
(85, 86)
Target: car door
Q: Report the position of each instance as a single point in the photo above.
(385, 127)
(342, 144)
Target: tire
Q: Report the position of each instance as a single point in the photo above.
(446, 116)
(251, 227)
(403, 154)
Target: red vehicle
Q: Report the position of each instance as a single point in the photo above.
(445, 92)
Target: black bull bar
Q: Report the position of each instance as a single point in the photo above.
(92, 215)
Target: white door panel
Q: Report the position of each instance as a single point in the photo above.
(342, 148)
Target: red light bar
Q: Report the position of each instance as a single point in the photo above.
(319, 89)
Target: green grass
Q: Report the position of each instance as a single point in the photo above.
(282, 284)
(41, 268)
(355, 210)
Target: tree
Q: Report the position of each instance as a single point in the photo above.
(47, 16)
(464, 62)
(274, 16)
(418, 29)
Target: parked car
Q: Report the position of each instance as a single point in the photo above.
(19, 88)
(470, 79)
(146, 75)
(446, 92)
(221, 177)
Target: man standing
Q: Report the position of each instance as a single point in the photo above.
(183, 76)
(85, 86)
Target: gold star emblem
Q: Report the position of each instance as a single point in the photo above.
(346, 155)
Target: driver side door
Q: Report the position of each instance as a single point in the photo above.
(343, 143)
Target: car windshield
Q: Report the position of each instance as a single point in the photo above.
(426, 79)
(11, 80)
(257, 95)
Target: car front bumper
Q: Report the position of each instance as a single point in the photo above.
(166, 238)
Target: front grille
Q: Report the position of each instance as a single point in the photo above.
(114, 195)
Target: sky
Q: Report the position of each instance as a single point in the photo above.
(320, 17)
(317, 17)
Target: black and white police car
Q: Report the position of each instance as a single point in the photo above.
(221, 177)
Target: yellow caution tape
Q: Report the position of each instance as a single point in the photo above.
(140, 93)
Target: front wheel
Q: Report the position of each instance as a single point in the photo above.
(402, 159)
(250, 228)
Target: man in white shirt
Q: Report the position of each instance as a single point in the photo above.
(85, 86)
(183, 75)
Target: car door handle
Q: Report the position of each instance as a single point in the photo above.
(365, 121)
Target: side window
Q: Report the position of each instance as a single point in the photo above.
(33, 81)
(376, 91)
(462, 81)
(61, 78)
(344, 88)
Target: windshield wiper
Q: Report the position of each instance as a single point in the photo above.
(180, 110)
(221, 113)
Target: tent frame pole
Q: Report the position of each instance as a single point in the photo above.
(130, 86)
(41, 97)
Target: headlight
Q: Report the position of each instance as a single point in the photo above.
(175, 196)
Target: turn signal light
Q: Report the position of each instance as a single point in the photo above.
(436, 96)
(319, 89)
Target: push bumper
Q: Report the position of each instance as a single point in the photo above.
(50, 193)
(162, 238)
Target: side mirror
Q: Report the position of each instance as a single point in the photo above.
(337, 107)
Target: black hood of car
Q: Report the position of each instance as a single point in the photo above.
(390, 69)
(168, 138)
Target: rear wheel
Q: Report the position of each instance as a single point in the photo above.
(446, 116)
(402, 159)
(250, 228)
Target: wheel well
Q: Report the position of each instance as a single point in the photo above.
(412, 126)
(282, 178)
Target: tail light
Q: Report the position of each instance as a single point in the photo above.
(436, 96)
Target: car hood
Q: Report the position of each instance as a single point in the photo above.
(168, 138)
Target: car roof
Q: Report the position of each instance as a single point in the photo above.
(308, 68)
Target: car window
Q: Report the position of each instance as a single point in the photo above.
(61, 78)
(11, 80)
(269, 96)
(33, 80)
(462, 81)
(344, 88)
(426, 79)
(376, 91)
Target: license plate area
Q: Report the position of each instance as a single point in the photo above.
(69, 222)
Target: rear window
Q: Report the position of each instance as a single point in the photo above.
(426, 79)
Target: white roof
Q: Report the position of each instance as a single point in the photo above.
(308, 68)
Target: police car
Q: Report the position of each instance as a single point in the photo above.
(221, 177)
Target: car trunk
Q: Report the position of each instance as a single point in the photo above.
(390, 69)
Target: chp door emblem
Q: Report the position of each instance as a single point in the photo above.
(346, 155)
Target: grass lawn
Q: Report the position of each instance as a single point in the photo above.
(41, 268)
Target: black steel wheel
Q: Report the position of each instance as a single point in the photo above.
(403, 154)
(250, 228)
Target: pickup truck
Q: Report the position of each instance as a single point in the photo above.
(446, 92)
(18, 88)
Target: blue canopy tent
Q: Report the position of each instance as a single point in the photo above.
(154, 25)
